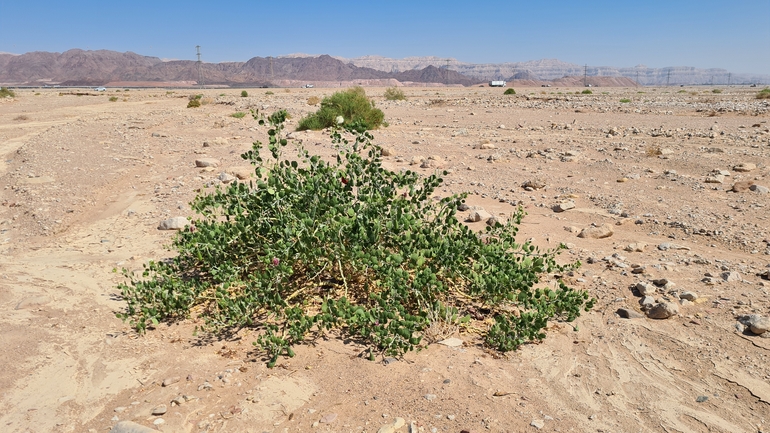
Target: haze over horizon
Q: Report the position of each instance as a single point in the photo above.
(701, 34)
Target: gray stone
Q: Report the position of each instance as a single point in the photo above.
(597, 232)
(665, 246)
(226, 177)
(646, 289)
(534, 184)
(628, 313)
(478, 215)
(430, 397)
(328, 419)
(131, 427)
(175, 223)
(206, 162)
(664, 310)
(690, 296)
(564, 206)
(731, 277)
(647, 302)
(759, 189)
(758, 324)
(159, 410)
(716, 178)
(636, 247)
(387, 151)
(537, 423)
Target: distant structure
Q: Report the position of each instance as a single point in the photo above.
(199, 64)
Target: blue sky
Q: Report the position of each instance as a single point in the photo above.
(733, 35)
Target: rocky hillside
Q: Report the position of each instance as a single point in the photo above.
(79, 67)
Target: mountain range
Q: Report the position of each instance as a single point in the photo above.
(100, 67)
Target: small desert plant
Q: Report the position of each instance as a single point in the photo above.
(653, 150)
(37, 93)
(716, 91)
(113, 98)
(350, 247)
(587, 92)
(509, 92)
(21, 117)
(682, 91)
(625, 100)
(6, 93)
(269, 93)
(238, 115)
(394, 94)
(351, 105)
(195, 101)
(313, 100)
(764, 93)
(244, 93)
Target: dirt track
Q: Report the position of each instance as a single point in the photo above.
(86, 182)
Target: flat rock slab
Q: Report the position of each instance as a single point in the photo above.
(664, 310)
(451, 342)
(206, 162)
(175, 223)
(597, 232)
(131, 427)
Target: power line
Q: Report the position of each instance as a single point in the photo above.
(200, 67)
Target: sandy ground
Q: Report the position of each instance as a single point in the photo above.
(86, 181)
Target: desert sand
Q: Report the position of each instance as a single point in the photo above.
(86, 181)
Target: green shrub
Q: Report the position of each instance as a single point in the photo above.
(352, 105)
(238, 115)
(313, 100)
(394, 94)
(6, 93)
(716, 91)
(352, 247)
(113, 98)
(244, 93)
(682, 91)
(587, 92)
(509, 91)
(764, 93)
(625, 100)
(269, 93)
(194, 103)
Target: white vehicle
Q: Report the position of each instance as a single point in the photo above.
(100, 89)
(309, 86)
(497, 84)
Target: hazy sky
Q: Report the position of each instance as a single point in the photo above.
(729, 34)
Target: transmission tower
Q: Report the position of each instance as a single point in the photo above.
(585, 76)
(199, 65)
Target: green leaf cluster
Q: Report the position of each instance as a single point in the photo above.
(313, 246)
(352, 105)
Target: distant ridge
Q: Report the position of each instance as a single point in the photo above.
(91, 68)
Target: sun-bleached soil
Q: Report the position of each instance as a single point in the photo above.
(85, 183)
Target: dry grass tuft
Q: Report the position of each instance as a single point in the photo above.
(653, 150)
(313, 100)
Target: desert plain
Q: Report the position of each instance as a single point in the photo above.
(678, 177)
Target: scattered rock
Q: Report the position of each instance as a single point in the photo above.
(392, 427)
(760, 189)
(745, 167)
(451, 342)
(159, 410)
(742, 186)
(665, 246)
(758, 324)
(131, 427)
(534, 184)
(478, 215)
(646, 289)
(597, 232)
(627, 313)
(636, 247)
(387, 151)
(537, 423)
(690, 296)
(206, 162)
(564, 206)
(701, 399)
(328, 418)
(663, 310)
(243, 172)
(731, 277)
(171, 380)
(430, 397)
(715, 178)
(417, 160)
(175, 223)
(226, 177)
